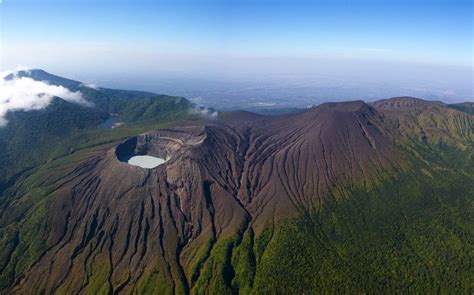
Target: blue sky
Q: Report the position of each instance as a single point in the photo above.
(247, 37)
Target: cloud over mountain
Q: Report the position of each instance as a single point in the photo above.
(26, 94)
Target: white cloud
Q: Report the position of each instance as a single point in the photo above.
(93, 86)
(5, 73)
(26, 94)
(205, 112)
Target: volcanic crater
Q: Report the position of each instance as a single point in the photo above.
(154, 149)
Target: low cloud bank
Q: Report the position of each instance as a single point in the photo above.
(26, 94)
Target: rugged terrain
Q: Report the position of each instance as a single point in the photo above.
(26, 140)
(348, 197)
(344, 197)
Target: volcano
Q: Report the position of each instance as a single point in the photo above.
(227, 185)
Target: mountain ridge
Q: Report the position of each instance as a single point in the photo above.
(28, 132)
(336, 197)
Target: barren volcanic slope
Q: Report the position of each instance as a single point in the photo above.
(345, 197)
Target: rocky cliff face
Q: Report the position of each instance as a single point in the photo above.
(116, 227)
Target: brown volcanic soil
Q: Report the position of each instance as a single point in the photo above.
(115, 222)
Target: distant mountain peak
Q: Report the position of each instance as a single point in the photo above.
(41, 75)
(346, 106)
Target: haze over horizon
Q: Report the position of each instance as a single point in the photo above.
(241, 53)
